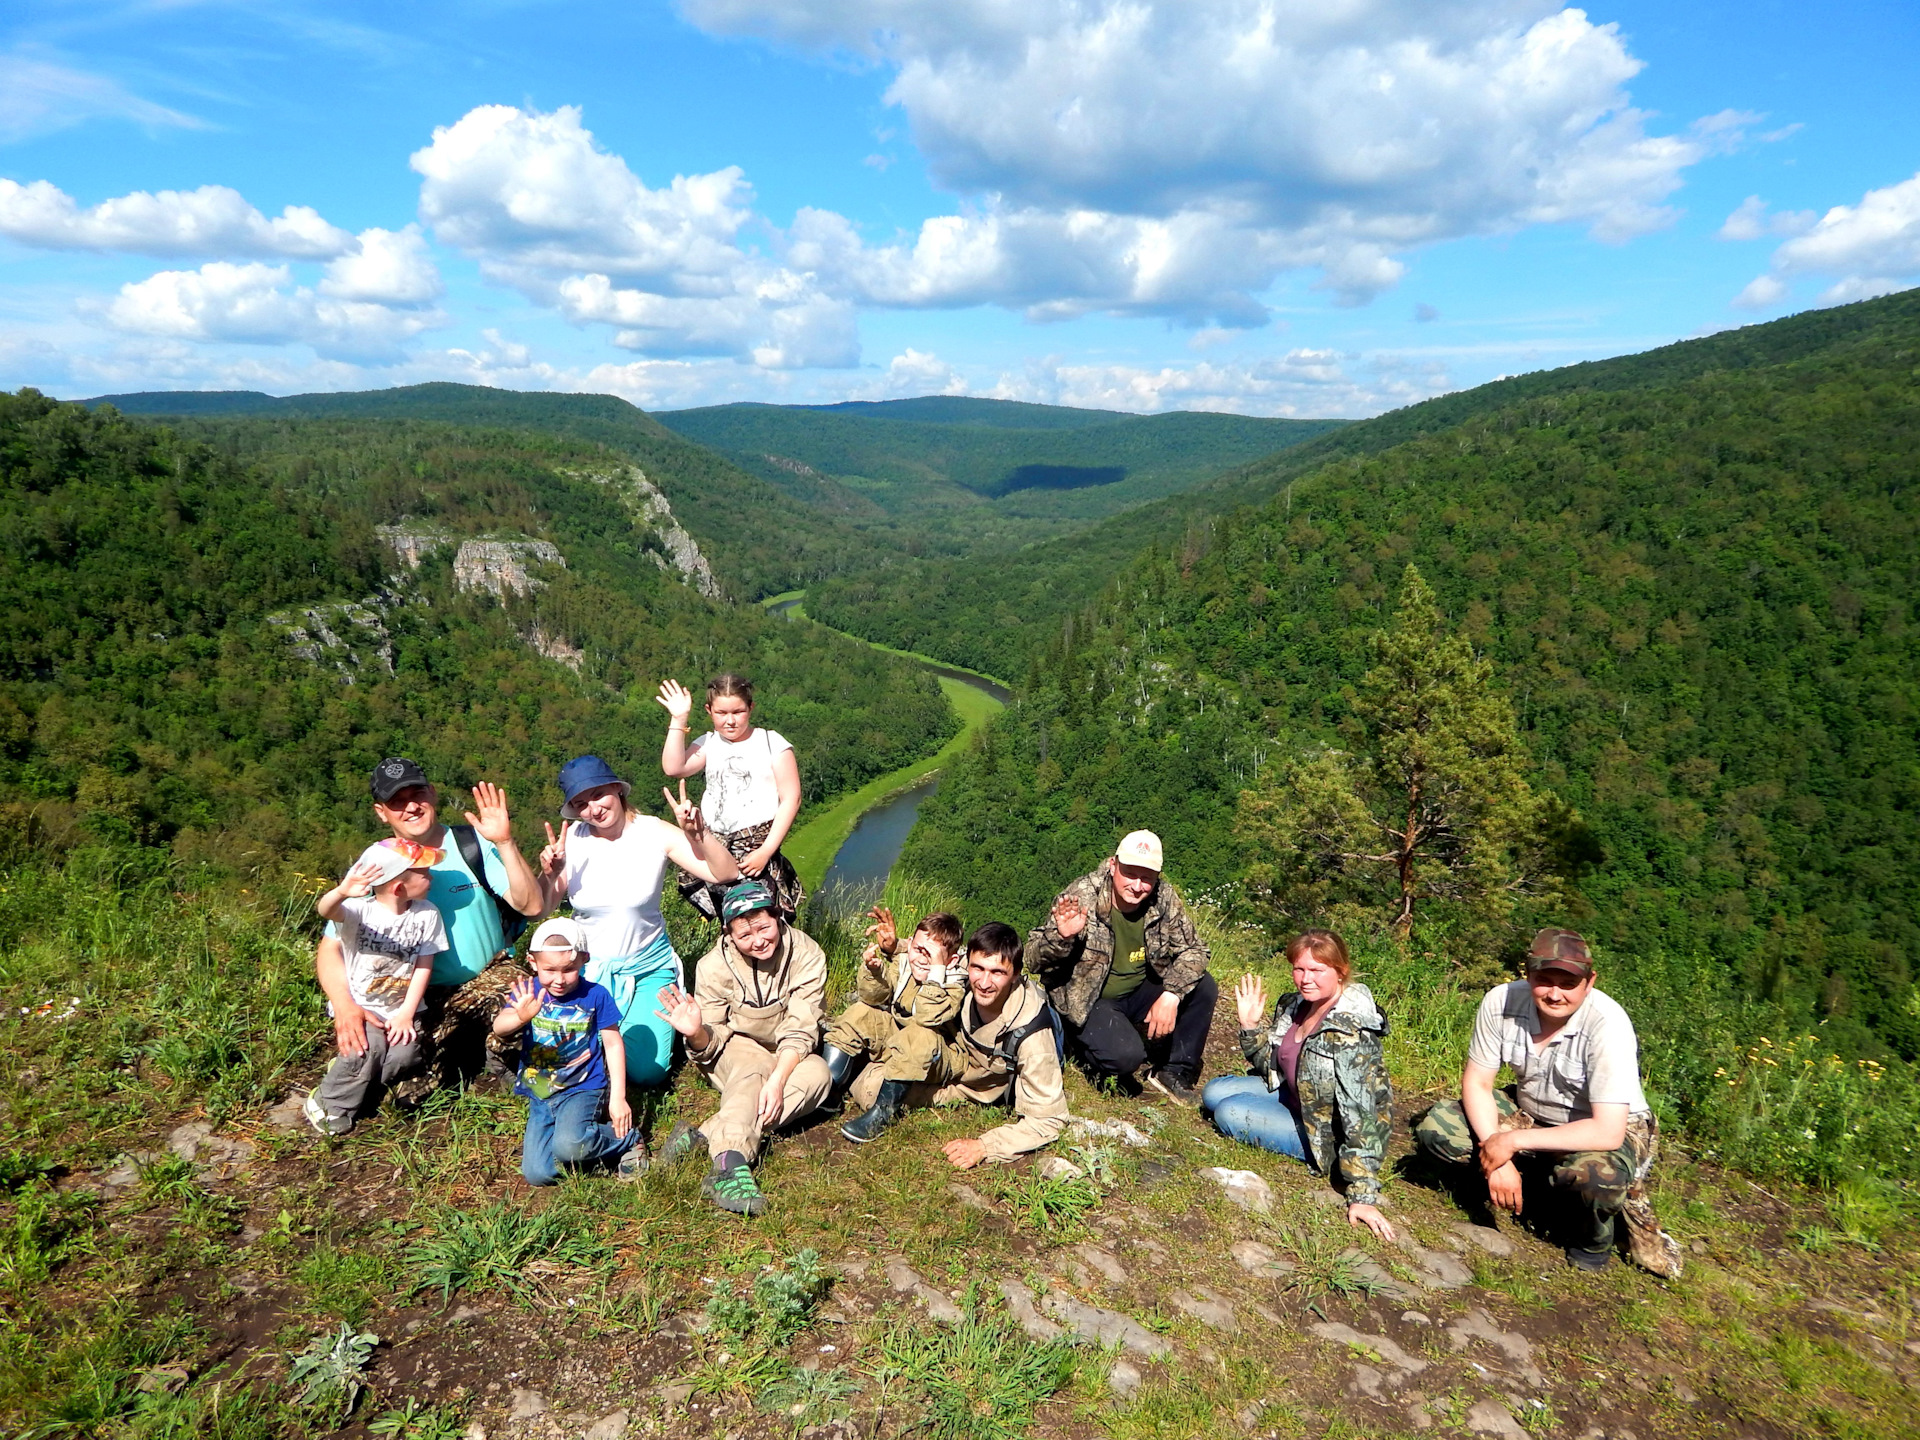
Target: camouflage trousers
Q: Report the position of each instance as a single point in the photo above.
(456, 1032)
(1606, 1182)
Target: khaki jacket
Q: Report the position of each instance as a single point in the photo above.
(776, 1002)
(1039, 1090)
(1075, 970)
(935, 1005)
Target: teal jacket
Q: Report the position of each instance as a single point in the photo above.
(1346, 1100)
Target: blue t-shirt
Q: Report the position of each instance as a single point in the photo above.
(474, 935)
(561, 1048)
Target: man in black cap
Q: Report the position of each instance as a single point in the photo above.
(483, 887)
(1577, 1111)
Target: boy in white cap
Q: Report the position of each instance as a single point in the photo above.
(573, 1063)
(1120, 958)
(389, 934)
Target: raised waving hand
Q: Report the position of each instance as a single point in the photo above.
(1250, 995)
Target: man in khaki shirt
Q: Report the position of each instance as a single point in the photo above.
(1005, 1049)
(751, 1025)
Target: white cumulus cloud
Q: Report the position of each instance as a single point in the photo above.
(1870, 249)
(1144, 139)
(212, 220)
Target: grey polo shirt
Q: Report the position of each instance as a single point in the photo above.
(1594, 1060)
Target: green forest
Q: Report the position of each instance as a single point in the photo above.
(1693, 574)
(152, 693)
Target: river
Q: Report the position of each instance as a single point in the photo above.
(866, 857)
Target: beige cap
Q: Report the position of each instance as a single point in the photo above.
(560, 933)
(1142, 847)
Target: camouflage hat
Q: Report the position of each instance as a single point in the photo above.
(745, 898)
(1559, 950)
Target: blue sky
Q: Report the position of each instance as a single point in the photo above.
(1298, 207)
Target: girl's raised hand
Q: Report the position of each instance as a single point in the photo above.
(1250, 995)
(553, 858)
(675, 697)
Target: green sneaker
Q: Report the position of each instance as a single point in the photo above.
(681, 1143)
(734, 1190)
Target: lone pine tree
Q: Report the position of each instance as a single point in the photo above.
(1425, 816)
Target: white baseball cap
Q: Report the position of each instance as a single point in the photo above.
(560, 934)
(393, 857)
(1141, 847)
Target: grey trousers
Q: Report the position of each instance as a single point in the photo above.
(353, 1083)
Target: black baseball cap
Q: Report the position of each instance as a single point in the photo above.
(393, 775)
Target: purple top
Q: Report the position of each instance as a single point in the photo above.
(1287, 1058)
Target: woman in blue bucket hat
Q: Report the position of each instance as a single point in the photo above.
(609, 863)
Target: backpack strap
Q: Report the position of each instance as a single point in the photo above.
(512, 922)
(1007, 1047)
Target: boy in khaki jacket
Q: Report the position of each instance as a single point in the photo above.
(909, 996)
(1005, 1049)
(751, 1026)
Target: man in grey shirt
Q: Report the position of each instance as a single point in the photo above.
(1577, 1108)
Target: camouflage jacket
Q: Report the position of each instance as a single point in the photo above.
(1075, 970)
(1346, 1100)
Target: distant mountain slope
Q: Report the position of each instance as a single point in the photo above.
(973, 470)
(994, 619)
(216, 628)
(761, 540)
(1696, 578)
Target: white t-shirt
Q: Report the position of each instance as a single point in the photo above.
(741, 791)
(381, 949)
(1593, 1060)
(614, 887)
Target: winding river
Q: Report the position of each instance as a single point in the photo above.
(865, 858)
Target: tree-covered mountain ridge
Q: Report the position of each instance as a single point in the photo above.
(216, 634)
(1694, 580)
(995, 618)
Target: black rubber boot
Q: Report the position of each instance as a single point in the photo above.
(1598, 1249)
(886, 1109)
(842, 1066)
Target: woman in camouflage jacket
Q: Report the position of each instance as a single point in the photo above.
(1319, 1090)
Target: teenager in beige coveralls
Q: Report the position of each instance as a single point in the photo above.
(751, 1025)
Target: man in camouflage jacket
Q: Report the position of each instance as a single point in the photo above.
(1146, 998)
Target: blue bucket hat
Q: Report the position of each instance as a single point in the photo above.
(587, 772)
(744, 898)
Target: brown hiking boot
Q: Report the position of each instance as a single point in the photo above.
(1650, 1247)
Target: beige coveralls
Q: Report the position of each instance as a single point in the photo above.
(898, 1020)
(967, 1068)
(754, 1013)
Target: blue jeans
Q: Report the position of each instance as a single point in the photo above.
(568, 1130)
(1244, 1109)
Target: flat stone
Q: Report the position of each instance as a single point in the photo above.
(474, 1431)
(1020, 1301)
(1369, 1382)
(1206, 1307)
(1478, 1325)
(1124, 1378)
(675, 1392)
(1437, 1271)
(1414, 1317)
(904, 1281)
(1260, 1259)
(1383, 1281)
(1053, 1167)
(289, 1114)
(1119, 1130)
(525, 1404)
(1107, 1327)
(1104, 1261)
(1490, 1417)
(1243, 1187)
(970, 1197)
(216, 1157)
(609, 1427)
(1157, 1170)
(1486, 1237)
(1379, 1344)
(686, 1323)
(464, 1314)
(1418, 1415)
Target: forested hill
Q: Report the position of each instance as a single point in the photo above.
(984, 475)
(761, 541)
(1694, 573)
(994, 619)
(212, 637)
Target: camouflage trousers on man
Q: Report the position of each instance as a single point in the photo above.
(456, 1032)
(1606, 1182)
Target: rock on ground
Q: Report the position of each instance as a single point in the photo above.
(1380, 1345)
(1124, 1378)
(1104, 1261)
(1243, 1187)
(1053, 1167)
(1260, 1259)
(1486, 1237)
(1020, 1301)
(904, 1281)
(1206, 1307)
(1490, 1417)
(1107, 1327)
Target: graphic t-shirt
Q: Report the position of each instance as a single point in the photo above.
(561, 1049)
(741, 791)
(1129, 953)
(471, 918)
(381, 949)
(614, 887)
